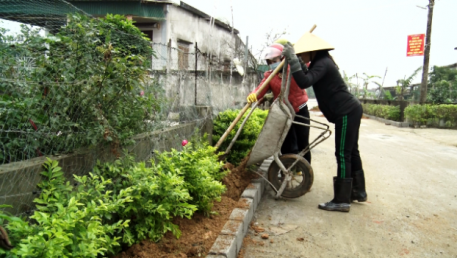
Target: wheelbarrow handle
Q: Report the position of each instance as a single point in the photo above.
(237, 119)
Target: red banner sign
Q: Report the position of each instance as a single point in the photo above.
(415, 45)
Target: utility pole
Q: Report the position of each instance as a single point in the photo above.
(428, 37)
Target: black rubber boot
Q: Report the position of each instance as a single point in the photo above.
(342, 196)
(358, 187)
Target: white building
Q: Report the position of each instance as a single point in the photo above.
(176, 29)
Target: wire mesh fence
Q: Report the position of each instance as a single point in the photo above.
(81, 89)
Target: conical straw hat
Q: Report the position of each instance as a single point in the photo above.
(310, 42)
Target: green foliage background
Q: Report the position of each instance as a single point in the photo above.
(443, 85)
(248, 136)
(432, 114)
(79, 87)
(384, 111)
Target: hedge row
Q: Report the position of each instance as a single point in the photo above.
(432, 114)
(384, 111)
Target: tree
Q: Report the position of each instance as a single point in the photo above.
(366, 81)
(404, 83)
(443, 85)
(270, 37)
(442, 73)
(348, 80)
(441, 92)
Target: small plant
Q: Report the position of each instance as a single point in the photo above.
(247, 137)
(201, 170)
(176, 184)
(388, 95)
(404, 83)
(158, 195)
(69, 223)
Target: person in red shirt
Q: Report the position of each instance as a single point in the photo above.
(297, 138)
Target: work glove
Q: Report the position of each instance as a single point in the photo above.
(252, 98)
(289, 53)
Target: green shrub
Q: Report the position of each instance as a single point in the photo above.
(158, 195)
(69, 223)
(247, 137)
(201, 170)
(137, 202)
(383, 111)
(420, 114)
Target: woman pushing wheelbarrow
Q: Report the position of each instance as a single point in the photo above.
(340, 107)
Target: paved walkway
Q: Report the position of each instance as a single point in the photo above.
(411, 209)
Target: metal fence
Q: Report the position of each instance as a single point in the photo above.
(70, 93)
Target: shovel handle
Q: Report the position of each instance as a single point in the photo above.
(240, 115)
(311, 30)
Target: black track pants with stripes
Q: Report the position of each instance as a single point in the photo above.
(346, 143)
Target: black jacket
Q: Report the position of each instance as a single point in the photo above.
(332, 94)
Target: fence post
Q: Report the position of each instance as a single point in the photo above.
(196, 73)
(169, 56)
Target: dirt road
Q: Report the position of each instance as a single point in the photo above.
(411, 177)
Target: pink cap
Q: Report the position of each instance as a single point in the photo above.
(274, 50)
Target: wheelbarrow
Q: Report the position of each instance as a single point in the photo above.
(290, 175)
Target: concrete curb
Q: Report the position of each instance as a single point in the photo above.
(230, 240)
(388, 122)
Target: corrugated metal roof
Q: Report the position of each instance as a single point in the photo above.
(30, 7)
(51, 14)
(124, 7)
(206, 16)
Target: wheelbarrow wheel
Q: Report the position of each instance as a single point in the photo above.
(302, 179)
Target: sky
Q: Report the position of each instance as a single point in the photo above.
(368, 35)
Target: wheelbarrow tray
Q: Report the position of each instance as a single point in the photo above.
(271, 137)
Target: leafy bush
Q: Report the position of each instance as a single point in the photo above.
(138, 202)
(443, 92)
(157, 196)
(177, 184)
(69, 223)
(421, 114)
(383, 111)
(201, 170)
(247, 137)
(80, 87)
